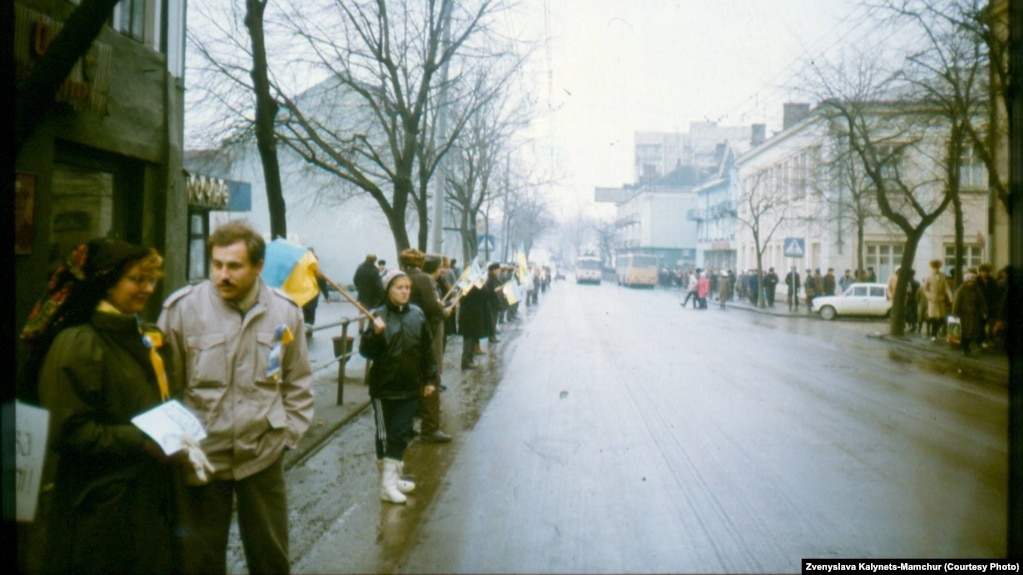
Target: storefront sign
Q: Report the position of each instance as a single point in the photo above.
(88, 83)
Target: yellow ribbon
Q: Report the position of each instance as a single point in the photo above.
(156, 340)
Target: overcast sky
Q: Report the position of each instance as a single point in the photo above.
(605, 69)
(619, 66)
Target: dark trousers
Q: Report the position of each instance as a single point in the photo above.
(429, 405)
(394, 425)
(469, 343)
(691, 295)
(793, 300)
(262, 522)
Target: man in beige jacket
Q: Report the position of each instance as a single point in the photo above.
(238, 355)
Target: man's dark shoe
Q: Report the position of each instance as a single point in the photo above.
(468, 366)
(441, 387)
(435, 437)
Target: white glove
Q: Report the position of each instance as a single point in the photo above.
(199, 466)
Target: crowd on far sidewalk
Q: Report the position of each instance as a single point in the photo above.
(974, 314)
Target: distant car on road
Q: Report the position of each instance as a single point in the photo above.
(867, 299)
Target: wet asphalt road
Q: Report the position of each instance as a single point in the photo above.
(616, 432)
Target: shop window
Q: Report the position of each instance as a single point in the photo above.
(82, 208)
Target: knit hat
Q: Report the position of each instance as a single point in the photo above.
(390, 276)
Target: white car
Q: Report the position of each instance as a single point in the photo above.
(859, 299)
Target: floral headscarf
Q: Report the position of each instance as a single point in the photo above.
(50, 311)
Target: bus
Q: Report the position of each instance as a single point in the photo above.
(587, 270)
(637, 270)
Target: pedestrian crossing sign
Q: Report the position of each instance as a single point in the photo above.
(795, 247)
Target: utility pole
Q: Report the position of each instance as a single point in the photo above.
(440, 183)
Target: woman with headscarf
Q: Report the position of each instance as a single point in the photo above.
(111, 507)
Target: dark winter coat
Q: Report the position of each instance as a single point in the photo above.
(402, 355)
(112, 505)
(829, 284)
(369, 287)
(971, 309)
(471, 307)
(792, 281)
(424, 294)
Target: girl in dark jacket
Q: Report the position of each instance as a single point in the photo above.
(110, 505)
(403, 370)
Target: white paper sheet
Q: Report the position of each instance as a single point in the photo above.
(167, 423)
(31, 426)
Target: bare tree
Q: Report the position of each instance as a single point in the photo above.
(388, 62)
(889, 137)
(606, 233)
(475, 173)
(851, 200)
(950, 72)
(763, 207)
(528, 218)
(977, 26)
(266, 113)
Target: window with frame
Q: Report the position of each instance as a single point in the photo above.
(972, 256)
(130, 18)
(972, 171)
(884, 258)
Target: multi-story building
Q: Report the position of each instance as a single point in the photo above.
(658, 153)
(105, 160)
(656, 214)
(795, 191)
(714, 214)
(650, 218)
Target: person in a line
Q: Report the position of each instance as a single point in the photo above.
(770, 286)
(111, 505)
(846, 280)
(810, 289)
(369, 291)
(828, 282)
(399, 344)
(939, 295)
(971, 308)
(237, 352)
(792, 285)
(423, 271)
(724, 289)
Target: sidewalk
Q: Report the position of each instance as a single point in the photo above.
(992, 364)
(328, 415)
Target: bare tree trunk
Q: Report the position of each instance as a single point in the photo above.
(266, 113)
(35, 96)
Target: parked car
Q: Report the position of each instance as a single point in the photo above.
(868, 299)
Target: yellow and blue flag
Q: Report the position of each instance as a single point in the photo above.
(292, 268)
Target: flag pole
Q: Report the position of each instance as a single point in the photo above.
(347, 296)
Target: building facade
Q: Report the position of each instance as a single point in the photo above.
(106, 159)
(798, 189)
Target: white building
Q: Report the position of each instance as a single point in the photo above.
(793, 189)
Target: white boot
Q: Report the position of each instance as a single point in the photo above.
(389, 482)
(404, 485)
